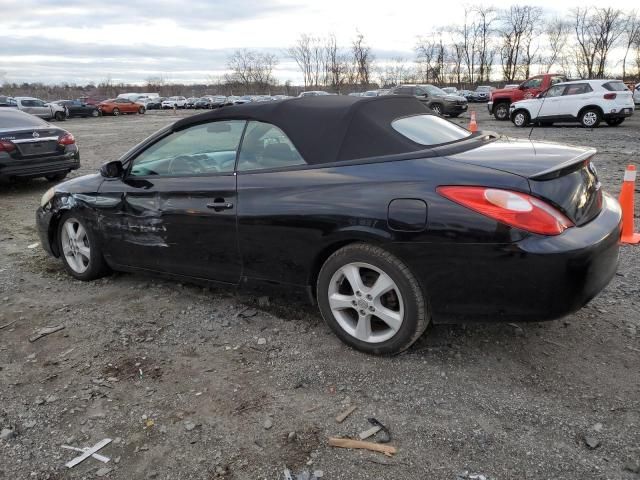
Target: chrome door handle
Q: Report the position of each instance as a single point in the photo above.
(220, 205)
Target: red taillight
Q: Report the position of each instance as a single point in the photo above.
(610, 96)
(513, 208)
(68, 139)
(7, 146)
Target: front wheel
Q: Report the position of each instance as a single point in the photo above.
(371, 300)
(116, 112)
(59, 116)
(78, 247)
(501, 111)
(614, 122)
(520, 118)
(95, 113)
(590, 118)
(436, 108)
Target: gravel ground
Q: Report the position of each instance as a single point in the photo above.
(205, 383)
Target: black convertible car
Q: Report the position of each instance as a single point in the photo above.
(391, 217)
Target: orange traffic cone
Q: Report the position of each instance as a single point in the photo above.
(473, 125)
(626, 202)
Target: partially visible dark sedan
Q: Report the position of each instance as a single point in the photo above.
(389, 216)
(481, 94)
(76, 108)
(31, 147)
(154, 103)
(203, 103)
(439, 101)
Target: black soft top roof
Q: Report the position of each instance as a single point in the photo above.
(332, 127)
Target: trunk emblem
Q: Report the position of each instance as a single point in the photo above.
(36, 135)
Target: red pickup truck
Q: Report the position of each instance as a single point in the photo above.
(501, 99)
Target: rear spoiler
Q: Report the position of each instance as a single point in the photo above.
(564, 167)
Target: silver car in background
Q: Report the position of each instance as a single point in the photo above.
(39, 108)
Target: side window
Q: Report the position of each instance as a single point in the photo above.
(533, 83)
(266, 146)
(577, 89)
(419, 92)
(29, 103)
(555, 91)
(202, 149)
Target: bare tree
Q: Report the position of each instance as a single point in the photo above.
(362, 60)
(631, 36)
(301, 53)
(516, 30)
(251, 69)
(486, 17)
(597, 31)
(557, 36)
(469, 34)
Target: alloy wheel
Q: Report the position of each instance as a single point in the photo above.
(75, 245)
(590, 118)
(437, 109)
(366, 302)
(519, 119)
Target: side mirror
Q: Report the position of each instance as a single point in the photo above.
(113, 169)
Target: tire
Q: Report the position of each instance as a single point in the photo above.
(116, 112)
(501, 111)
(590, 118)
(359, 325)
(141, 110)
(521, 118)
(59, 116)
(81, 257)
(614, 122)
(437, 109)
(95, 113)
(56, 177)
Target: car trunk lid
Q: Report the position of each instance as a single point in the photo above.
(31, 142)
(561, 174)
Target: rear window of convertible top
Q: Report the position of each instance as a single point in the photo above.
(429, 129)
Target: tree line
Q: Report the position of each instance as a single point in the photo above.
(488, 43)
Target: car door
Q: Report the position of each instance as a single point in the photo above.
(42, 109)
(174, 210)
(574, 97)
(551, 103)
(270, 201)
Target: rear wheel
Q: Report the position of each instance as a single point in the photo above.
(590, 118)
(79, 249)
(116, 112)
(614, 122)
(371, 300)
(521, 118)
(59, 116)
(501, 111)
(56, 177)
(141, 110)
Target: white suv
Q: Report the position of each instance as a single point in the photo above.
(174, 102)
(585, 101)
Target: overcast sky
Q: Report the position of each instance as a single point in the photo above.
(83, 41)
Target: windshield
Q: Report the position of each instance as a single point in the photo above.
(429, 129)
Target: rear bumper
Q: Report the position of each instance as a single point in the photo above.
(38, 167)
(623, 113)
(538, 278)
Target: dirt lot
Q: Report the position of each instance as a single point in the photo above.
(200, 383)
